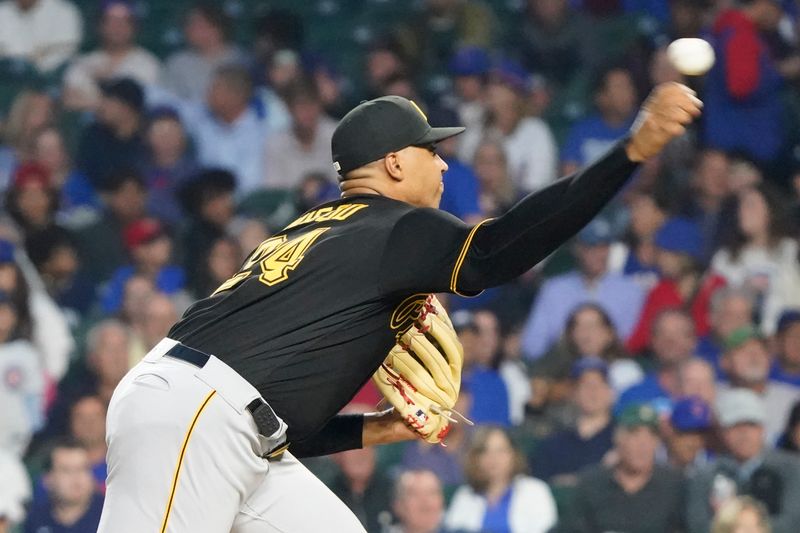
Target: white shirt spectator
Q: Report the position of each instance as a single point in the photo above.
(23, 378)
(84, 75)
(775, 271)
(518, 385)
(15, 490)
(532, 508)
(287, 161)
(47, 34)
(778, 398)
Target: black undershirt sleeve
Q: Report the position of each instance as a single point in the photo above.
(503, 248)
(432, 251)
(342, 432)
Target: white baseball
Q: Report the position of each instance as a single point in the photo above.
(690, 56)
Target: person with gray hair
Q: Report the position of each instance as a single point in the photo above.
(731, 308)
(747, 467)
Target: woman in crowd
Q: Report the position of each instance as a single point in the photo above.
(790, 440)
(30, 112)
(743, 514)
(222, 261)
(499, 497)
(760, 255)
(496, 190)
(31, 200)
(589, 332)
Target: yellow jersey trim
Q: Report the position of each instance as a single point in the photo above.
(462, 256)
(180, 460)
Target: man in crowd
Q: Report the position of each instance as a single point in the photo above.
(559, 458)
(87, 425)
(687, 436)
(363, 488)
(696, 377)
(635, 494)
(746, 363)
(672, 343)
(118, 57)
(72, 504)
(619, 296)
(731, 309)
(786, 368)
(418, 502)
(748, 467)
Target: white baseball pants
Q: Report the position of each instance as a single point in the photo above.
(185, 456)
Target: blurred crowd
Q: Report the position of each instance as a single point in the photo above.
(644, 378)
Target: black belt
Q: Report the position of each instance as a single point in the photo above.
(266, 420)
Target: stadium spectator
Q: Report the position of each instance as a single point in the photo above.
(635, 255)
(383, 61)
(673, 342)
(460, 196)
(38, 317)
(20, 366)
(634, 494)
(160, 313)
(114, 141)
(281, 70)
(72, 504)
(429, 39)
(696, 378)
(87, 425)
(150, 249)
(746, 363)
(222, 261)
(760, 255)
(688, 439)
(498, 495)
(615, 98)
(560, 457)
(679, 248)
(748, 467)
(790, 439)
(208, 200)
(207, 31)
(480, 377)
(77, 198)
(107, 361)
(100, 243)
(30, 111)
(589, 333)
(706, 197)
(786, 367)
(54, 253)
(362, 487)
(31, 200)
(118, 57)
(555, 40)
(731, 308)
(15, 491)
(303, 147)
(469, 67)
(496, 192)
(228, 131)
(514, 373)
(744, 85)
(558, 297)
(506, 123)
(741, 514)
(45, 33)
(169, 165)
(418, 502)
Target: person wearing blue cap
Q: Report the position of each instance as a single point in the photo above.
(687, 443)
(558, 458)
(787, 356)
(469, 67)
(679, 248)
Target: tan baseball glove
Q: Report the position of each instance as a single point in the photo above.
(421, 376)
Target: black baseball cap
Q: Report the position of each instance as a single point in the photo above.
(376, 127)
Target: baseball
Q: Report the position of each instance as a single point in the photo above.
(691, 57)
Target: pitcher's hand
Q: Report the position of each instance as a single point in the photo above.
(664, 115)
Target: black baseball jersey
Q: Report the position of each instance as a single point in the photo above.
(314, 310)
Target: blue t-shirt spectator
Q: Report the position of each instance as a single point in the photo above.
(567, 452)
(460, 196)
(590, 138)
(489, 396)
(169, 280)
(41, 519)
